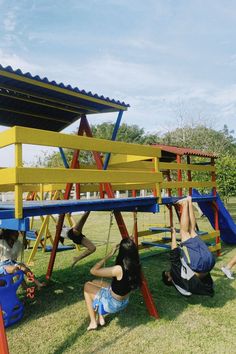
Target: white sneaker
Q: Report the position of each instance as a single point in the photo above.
(227, 272)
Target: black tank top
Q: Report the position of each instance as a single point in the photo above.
(121, 287)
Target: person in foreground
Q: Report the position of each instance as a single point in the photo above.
(191, 261)
(75, 234)
(113, 297)
(227, 269)
(10, 249)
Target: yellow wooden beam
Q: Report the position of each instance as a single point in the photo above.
(33, 187)
(7, 137)
(8, 176)
(61, 175)
(187, 184)
(121, 159)
(135, 165)
(117, 187)
(186, 167)
(48, 138)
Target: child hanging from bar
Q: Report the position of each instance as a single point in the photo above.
(191, 261)
(10, 249)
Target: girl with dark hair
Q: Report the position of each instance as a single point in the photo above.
(104, 297)
(10, 249)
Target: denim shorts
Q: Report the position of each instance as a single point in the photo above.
(6, 263)
(108, 302)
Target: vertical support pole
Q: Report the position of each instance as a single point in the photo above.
(144, 287)
(18, 187)
(148, 299)
(179, 176)
(113, 138)
(216, 223)
(108, 155)
(189, 174)
(3, 339)
(63, 156)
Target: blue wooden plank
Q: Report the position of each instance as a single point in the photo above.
(60, 248)
(154, 244)
(48, 207)
(15, 224)
(202, 198)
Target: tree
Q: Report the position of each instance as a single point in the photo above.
(226, 175)
(127, 133)
(203, 138)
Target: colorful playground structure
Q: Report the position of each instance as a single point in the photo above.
(36, 110)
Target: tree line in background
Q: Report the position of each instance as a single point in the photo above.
(199, 137)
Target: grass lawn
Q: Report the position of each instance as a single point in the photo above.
(56, 321)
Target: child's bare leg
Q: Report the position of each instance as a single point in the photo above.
(90, 291)
(79, 225)
(90, 249)
(192, 220)
(231, 263)
(184, 220)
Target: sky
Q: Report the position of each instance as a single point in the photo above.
(173, 61)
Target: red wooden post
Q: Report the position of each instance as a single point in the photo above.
(216, 223)
(3, 339)
(144, 287)
(215, 206)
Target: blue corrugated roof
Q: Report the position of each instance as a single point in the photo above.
(39, 103)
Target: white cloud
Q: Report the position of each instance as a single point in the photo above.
(17, 62)
(9, 21)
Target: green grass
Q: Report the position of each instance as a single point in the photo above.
(56, 321)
